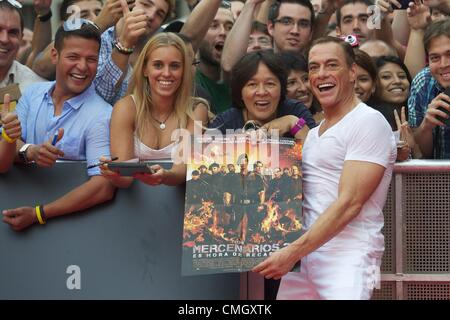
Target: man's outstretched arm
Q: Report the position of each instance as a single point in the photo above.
(358, 182)
(95, 191)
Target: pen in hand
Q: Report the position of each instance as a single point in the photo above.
(55, 138)
(100, 163)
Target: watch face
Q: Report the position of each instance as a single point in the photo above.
(23, 153)
(24, 148)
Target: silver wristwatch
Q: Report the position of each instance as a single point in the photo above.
(23, 153)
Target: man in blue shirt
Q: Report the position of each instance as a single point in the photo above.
(427, 97)
(70, 107)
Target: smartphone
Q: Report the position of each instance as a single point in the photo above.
(404, 5)
(445, 121)
(130, 168)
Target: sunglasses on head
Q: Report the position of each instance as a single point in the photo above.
(76, 24)
(14, 3)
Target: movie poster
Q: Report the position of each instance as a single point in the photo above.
(243, 202)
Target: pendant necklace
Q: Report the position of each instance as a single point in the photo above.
(162, 124)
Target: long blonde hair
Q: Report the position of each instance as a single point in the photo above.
(139, 86)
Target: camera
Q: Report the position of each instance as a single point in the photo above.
(351, 39)
(445, 121)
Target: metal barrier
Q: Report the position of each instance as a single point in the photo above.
(129, 248)
(416, 262)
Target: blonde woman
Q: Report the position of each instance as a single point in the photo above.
(159, 102)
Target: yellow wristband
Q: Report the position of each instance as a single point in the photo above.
(6, 137)
(38, 215)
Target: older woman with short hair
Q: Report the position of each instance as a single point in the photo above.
(259, 88)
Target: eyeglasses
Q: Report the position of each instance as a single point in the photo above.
(76, 24)
(14, 3)
(196, 62)
(265, 41)
(289, 22)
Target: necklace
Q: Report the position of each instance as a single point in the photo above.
(162, 124)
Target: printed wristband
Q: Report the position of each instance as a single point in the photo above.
(38, 214)
(121, 48)
(298, 126)
(6, 137)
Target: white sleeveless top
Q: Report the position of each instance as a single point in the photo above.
(144, 152)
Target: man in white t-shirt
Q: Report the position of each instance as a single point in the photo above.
(347, 167)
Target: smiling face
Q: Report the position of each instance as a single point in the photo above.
(76, 64)
(330, 77)
(164, 71)
(298, 87)
(10, 37)
(364, 85)
(261, 95)
(393, 84)
(439, 59)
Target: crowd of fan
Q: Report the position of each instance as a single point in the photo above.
(116, 81)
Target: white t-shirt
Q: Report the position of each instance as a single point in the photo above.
(364, 135)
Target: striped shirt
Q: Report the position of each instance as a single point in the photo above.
(424, 89)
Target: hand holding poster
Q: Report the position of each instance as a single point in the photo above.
(243, 202)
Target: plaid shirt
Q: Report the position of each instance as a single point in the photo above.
(108, 74)
(424, 89)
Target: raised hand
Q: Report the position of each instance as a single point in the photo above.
(132, 26)
(418, 15)
(10, 121)
(109, 15)
(42, 7)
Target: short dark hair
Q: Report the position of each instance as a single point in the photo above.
(247, 67)
(259, 26)
(6, 5)
(274, 9)
(195, 173)
(347, 48)
(346, 2)
(434, 30)
(293, 61)
(381, 61)
(86, 31)
(363, 60)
